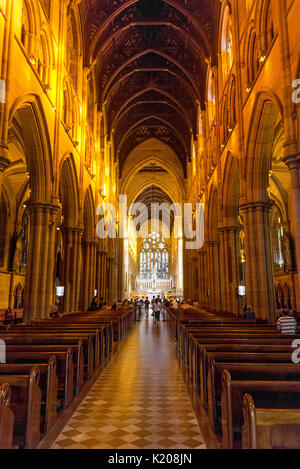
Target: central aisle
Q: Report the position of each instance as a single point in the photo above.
(139, 401)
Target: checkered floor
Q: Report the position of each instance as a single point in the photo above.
(139, 401)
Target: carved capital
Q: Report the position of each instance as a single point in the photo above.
(292, 161)
(258, 206)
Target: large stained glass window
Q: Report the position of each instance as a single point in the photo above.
(154, 258)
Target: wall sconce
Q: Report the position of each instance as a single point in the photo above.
(32, 60)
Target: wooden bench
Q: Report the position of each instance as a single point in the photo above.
(38, 345)
(214, 379)
(187, 330)
(188, 343)
(97, 334)
(81, 341)
(269, 428)
(26, 407)
(77, 323)
(121, 319)
(199, 368)
(274, 394)
(104, 329)
(40, 354)
(6, 418)
(231, 338)
(47, 383)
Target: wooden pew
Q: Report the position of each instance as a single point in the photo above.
(50, 330)
(269, 428)
(6, 418)
(231, 338)
(77, 323)
(187, 331)
(199, 367)
(247, 338)
(214, 380)
(47, 383)
(188, 343)
(189, 335)
(39, 354)
(121, 319)
(26, 407)
(83, 345)
(275, 393)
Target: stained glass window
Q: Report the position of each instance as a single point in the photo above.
(154, 258)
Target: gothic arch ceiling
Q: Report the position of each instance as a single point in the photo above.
(152, 69)
(154, 194)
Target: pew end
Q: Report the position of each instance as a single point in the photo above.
(6, 418)
(269, 428)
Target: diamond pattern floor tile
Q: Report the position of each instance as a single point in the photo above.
(139, 401)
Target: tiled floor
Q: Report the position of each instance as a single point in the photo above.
(139, 401)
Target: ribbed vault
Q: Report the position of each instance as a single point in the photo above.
(151, 57)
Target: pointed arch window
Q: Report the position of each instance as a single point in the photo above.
(154, 258)
(211, 99)
(227, 44)
(25, 28)
(277, 236)
(72, 47)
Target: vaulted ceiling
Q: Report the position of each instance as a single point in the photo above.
(152, 69)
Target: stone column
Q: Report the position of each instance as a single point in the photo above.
(223, 271)
(104, 276)
(36, 301)
(109, 264)
(75, 269)
(98, 274)
(50, 282)
(229, 269)
(213, 275)
(86, 277)
(93, 269)
(78, 269)
(68, 268)
(259, 263)
(293, 163)
(44, 260)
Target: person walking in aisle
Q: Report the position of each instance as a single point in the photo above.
(147, 304)
(156, 311)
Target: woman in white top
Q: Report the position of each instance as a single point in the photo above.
(156, 311)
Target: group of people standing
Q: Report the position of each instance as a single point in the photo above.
(156, 304)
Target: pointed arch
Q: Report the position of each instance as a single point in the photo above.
(267, 110)
(28, 116)
(89, 215)
(230, 192)
(69, 191)
(213, 215)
